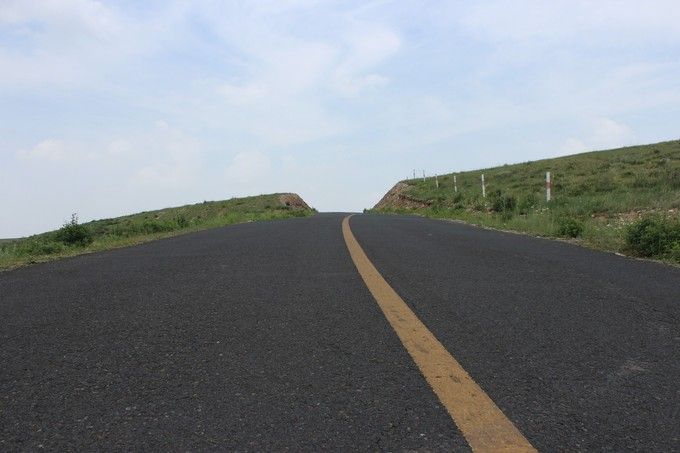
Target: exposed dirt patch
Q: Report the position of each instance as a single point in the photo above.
(397, 198)
(626, 218)
(293, 200)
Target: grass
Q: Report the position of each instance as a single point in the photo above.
(598, 197)
(75, 239)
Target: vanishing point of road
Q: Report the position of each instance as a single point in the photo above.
(335, 333)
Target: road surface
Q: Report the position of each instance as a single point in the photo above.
(265, 336)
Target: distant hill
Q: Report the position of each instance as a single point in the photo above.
(596, 196)
(74, 238)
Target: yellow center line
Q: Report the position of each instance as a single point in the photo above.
(483, 424)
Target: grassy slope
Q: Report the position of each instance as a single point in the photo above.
(604, 191)
(147, 226)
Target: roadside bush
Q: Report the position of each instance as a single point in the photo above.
(72, 233)
(124, 229)
(299, 213)
(654, 237)
(182, 221)
(643, 181)
(503, 203)
(576, 189)
(673, 178)
(158, 226)
(674, 253)
(603, 183)
(527, 203)
(569, 227)
(38, 246)
(151, 227)
(507, 215)
(478, 205)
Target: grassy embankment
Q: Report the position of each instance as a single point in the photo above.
(75, 239)
(625, 200)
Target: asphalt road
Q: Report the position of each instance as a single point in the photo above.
(263, 336)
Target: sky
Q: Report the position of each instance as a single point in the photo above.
(113, 107)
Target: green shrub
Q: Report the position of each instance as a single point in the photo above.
(643, 181)
(503, 203)
(673, 178)
(158, 226)
(654, 237)
(182, 221)
(478, 205)
(507, 215)
(38, 246)
(151, 227)
(299, 213)
(674, 252)
(497, 204)
(602, 183)
(569, 227)
(73, 233)
(527, 203)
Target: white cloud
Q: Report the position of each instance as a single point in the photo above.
(119, 147)
(604, 133)
(247, 168)
(166, 158)
(368, 46)
(297, 67)
(69, 16)
(56, 151)
(74, 43)
(50, 149)
(573, 146)
(371, 44)
(609, 133)
(242, 94)
(538, 20)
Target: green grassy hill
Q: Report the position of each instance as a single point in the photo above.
(74, 238)
(601, 198)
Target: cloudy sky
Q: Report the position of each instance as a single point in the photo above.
(113, 107)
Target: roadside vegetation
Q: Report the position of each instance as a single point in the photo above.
(74, 238)
(625, 200)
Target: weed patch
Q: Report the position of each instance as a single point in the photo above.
(654, 237)
(72, 233)
(569, 227)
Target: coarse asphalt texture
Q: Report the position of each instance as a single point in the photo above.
(263, 336)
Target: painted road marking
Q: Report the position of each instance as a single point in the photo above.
(483, 424)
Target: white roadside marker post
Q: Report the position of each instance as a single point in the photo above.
(423, 175)
(455, 184)
(483, 187)
(436, 180)
(548, 186)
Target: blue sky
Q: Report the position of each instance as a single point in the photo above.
(109, 108)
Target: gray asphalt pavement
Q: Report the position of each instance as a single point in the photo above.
(263, 336)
